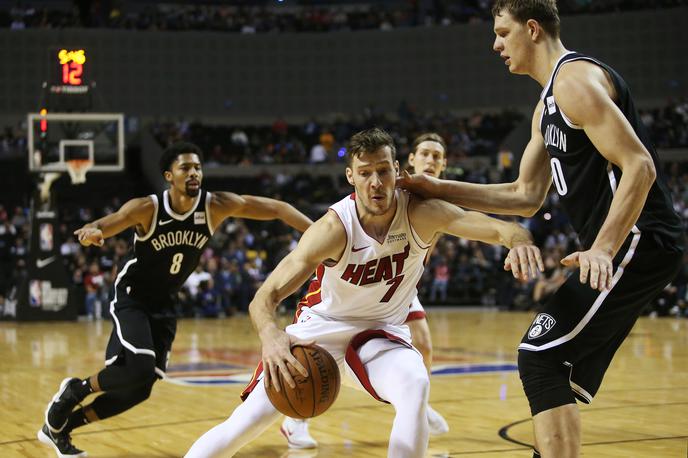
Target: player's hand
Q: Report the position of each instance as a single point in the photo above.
(596, 263)
(88, 236)
(524, 261)
(420, 183)
(277, 357)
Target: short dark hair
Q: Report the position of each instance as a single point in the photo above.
(428, 137)
(368, 141)
(543, 11)
(173, 151)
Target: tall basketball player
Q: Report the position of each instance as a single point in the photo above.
(587, 138)
(171, 232)
(368, 252)
(428, 155)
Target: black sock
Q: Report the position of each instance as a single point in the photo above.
(76, 419)
(82, 389)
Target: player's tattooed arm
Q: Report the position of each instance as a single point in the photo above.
(324, 240)
(226, 204)
(138, 213)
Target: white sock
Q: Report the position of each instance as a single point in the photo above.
(246, 423)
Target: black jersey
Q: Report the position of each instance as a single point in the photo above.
(162, 259)
(586, 181)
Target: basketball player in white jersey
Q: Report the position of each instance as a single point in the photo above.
(428, 156)
(368, 253)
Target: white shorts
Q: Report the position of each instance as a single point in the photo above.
(416, 310)
(351, 343)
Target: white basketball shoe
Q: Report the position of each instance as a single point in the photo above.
(296, 432)
(438, 425)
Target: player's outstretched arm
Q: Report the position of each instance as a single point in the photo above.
(324, 240)
(431, 216)
(522, 197)
(226, 204)
(585, 94)
(135, 213)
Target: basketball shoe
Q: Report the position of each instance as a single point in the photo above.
(296, 432)
(438, 425)
(61, 442)
(62, 404)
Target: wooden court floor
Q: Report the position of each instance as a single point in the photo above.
(641, 411)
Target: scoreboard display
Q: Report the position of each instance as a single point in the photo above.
(69, 86)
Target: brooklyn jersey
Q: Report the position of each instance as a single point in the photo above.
(372, 281)
(586, 181)
(163, 258)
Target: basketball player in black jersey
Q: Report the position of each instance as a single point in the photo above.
(587, 138)
(171, 232)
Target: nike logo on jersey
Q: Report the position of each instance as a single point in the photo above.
(354, 249)
(40, 263)
(162, 223)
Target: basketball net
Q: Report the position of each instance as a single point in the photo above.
(77, 169)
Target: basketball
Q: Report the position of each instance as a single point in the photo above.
(312, 395)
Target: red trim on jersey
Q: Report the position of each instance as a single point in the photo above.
(254, 381)
(417, 315)
(313, 296)
(355, 363)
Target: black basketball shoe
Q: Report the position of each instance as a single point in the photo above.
(62, 404)
(61, 442)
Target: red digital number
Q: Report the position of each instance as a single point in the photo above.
(71, 73)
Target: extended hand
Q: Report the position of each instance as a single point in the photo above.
(277, 357)
(524, 261)
(596, 262)
(420, 184)
(90, 236)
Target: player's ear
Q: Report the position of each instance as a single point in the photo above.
(534, 29)
(168, 176)
(396, 166)
(350, 176)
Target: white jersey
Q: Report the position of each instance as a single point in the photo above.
(372, 281)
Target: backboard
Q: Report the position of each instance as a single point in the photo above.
(54, 139)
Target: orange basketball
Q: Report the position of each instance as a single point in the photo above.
(312, 395)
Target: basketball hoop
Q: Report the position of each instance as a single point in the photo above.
(77, 169)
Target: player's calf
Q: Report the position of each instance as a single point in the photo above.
(71, 392)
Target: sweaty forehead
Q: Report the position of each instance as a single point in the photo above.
(503, 19)
(379, 157)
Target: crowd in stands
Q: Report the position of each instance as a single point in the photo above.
(242, 253)
(276, 17)
(320, 142)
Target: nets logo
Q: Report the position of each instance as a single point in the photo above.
(541, 325)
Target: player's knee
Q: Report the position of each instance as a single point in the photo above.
(417, 386)
(545, 381)
(141, 370)
(144, 391)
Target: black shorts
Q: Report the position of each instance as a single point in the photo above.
(582, 328)
(137, 331)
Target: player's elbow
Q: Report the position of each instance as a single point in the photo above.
(644, 172)
(527, 199)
